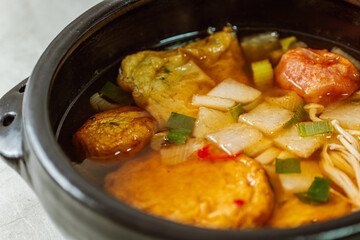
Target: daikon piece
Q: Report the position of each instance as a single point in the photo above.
(347, 113)
(210, 120)
(232, 89)
(218, 103)
(235, 137)
(267, 118)
(268, 155)
(300, 182)
(258, 147)
(286, 154)
(284, 98)
(175, 154)
(289, 139)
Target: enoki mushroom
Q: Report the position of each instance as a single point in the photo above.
(342, 163)
(314, 109)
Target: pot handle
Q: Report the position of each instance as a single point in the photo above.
(11, 126)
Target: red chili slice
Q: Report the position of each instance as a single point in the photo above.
(239, 202)
(204, 153)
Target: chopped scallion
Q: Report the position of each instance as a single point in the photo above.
(263, 74)
(116, 94)
(300, 115)
(289, 165)
(250, 106)
(286, 42)
(302, 196)
(178, 120)
(317, 193)
(178, 136)
(180, 127)
(314, 128)
(319, 189)
(236, 111)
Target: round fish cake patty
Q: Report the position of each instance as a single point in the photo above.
(115, 134)
(224, 194)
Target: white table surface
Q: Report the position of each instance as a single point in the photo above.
(26, 29)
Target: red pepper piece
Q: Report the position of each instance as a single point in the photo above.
(239, 202)
(204, 153)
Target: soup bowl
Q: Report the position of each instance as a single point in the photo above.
(39, 115)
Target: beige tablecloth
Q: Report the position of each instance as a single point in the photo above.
(26, 28)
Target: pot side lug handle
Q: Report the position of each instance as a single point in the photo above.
(11, 126)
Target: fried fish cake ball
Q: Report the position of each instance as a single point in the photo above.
(221, 194)
(318, 76)
(115, 134)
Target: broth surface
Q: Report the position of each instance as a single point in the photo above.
(140, 169)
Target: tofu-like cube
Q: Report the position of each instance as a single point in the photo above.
(235, 137)
(268, 155)
(210, 120)
(175, 154)
(286, 154)
(303, 147)
(300, 182)
(232, 89)
(218, 103)
(267, 118)
(258, 147)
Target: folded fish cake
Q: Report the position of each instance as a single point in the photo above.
(165, 81)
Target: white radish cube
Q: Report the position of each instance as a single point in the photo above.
(235, 137)
(303, 147)
(175, 154)
(348, 114)
(268, 155)
(286, 154)
(267, 118)
(210, 120)
(300, 182)
(258, 147)
(212, 102)
(283, 98)
(239, 92)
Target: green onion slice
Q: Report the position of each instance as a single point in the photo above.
(236, 111)
(300, 115)
(250, 106)
(286, 42)
(263, 74)
(289, 165)
(319, 189)
(317, 193)
(314, 128)
(178, 136)
(116, 94)
(178, 120)
(302, 196)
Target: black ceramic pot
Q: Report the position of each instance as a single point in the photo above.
(36, 127)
